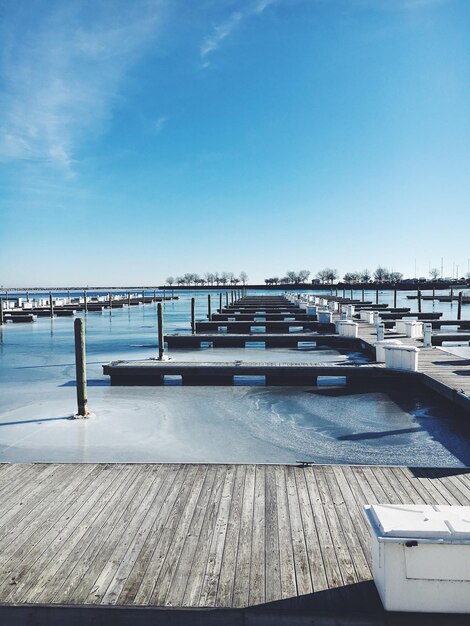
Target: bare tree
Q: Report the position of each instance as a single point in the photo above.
(434, 273)
(170, 280)
(243, 277)
(365, 275)
(381, 274)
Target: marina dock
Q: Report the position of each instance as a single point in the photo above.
(202, 544)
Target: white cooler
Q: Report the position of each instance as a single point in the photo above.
(421, 556)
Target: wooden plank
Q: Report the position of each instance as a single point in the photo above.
(24, 535)
(173, 554)
(332, 569)
(131, 569)
(301, 560)
(257, 591)
(242, 582)
(341, 547)
(158, 541)
(58, 543)
(131, 591)
(63, 568)
(273, 562)
(183, 569)
(193, 589)
(233, 481)
(286, 552)
(126, 540)
(312, 543)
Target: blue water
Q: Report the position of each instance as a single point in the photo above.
(232, 424)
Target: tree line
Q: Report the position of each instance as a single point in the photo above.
(209, 278)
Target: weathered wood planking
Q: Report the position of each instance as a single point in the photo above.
(188, 535)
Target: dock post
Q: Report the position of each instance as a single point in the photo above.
(226, 298)
(143, 296)
(161, 342)
(51, 305)
(220, 302)
(352, 294)
(27, 296)
(80, 367)
(459, 307)
(377, 296)
(419, 300)
(193, 315)
(85, 301)
(380, 331)
(68, 296)
(363, 295)
(433, 294)
(209, 307)
(128, 298)
(394, 298)
(344, 293)
(110, 303)
(1, 311)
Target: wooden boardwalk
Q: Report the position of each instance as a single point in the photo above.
(283, 539)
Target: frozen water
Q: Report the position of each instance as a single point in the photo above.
(201, 424)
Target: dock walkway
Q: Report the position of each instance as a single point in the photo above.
(255, 542)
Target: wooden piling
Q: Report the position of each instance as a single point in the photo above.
(220, 302)
(51, 305)
(419, 300)
(459, 306)
(363, 295)
(376, 296)
(394, 298)
(352, 294)
(80, 368)
(85, 301)
(110, 303)
(1, 311)
(161, 341)
(209, 307)
(226, 298)
(193, 315)
(344, 293)
(128, 298)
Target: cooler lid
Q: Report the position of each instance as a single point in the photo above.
(431, 522)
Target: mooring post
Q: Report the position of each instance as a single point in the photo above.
(110, 303)
(226, 298)
(1, 311)
(143, 296)
(220, 302)
(433, 294)
(419, 300)
(209, 307)
(363, 295)
(193, 315)
(352, 294)
(161, 342)
(51, 305)
(344, 293)
(376, 296)
(85, 301)
(394, 298)
(459, 307)
(80, 367)
(232, 299)
(27, 296)
(128, 298)
(68, 296)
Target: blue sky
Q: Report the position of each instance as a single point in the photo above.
(151, 138)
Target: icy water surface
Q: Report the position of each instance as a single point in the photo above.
(222, 424)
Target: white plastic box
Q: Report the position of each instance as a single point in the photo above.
(380, 348)
(368, 316)
(414, 329)
(400, 325)
(324, 317)
(347, 328)
(401, 357)
(421, 557)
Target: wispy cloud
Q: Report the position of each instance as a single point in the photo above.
(160, 123)
(63, 74)
(223, 30)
